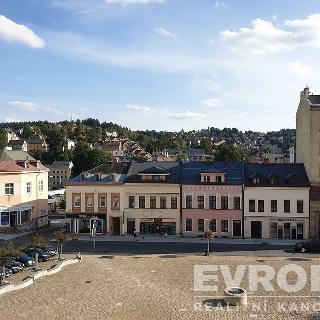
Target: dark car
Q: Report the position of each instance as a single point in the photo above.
(307, 246)
(8, 272)
(15, 266)
(42, 255)
(25, 259)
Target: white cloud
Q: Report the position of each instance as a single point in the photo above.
(13, 32)
(124, 3)
(212, 103)
(219, 4)
(165, 33)
(138, 108)
(299, 69)
(23, 105)
(188, 115)
(274, 17)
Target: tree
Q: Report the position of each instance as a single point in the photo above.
(209, 235)
(181, 156)
(3, 138)
(7, 252)
(228, 152)
(62, 202)
(206, 145)
(61, 238)
(38, 241)
(55, 139)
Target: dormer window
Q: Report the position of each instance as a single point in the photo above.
(218, 179)
(273, 179)
(255, 179)
(82, 177)
(97, 177)
(206, 178)
(293, 179)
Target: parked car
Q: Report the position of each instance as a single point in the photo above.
(15, 266)
(25, 259)
(42, 255)
(8, 272)
(307, 246)
(53, 251)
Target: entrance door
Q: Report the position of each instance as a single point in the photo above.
(116, 226)
(300, 231)
(286, 231)
(293, 233)
(13, 219)
(130, 226)
(236, 228)
(256, 229)
(280, 232)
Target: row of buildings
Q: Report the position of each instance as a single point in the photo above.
(232, 199)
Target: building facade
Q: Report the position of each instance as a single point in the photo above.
(276, 201)
(152, 198)
(24, 195)
(60, 172)
(96, 198)
(37, 144)
(212, 198)
(18, 145)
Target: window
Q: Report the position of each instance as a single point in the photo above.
(224, 203)
(142, 202)
(206, 178)
(163, 203)
(212, 202)
(77, 200)
(40, 185)
(286, 204)
(256, 179)
(273, 230)
(189, 202)
(213, 225)
(300, 206)
(274, 180)
(218, 179)
(131, 201)
(115, 201)
(200, 225)
(236, 203)
(174, 203)
(293, 180)
(224, 225)
(153, 203)
(103, 201)
(4, 218)
(9, 189)
(252, 206)
(260, 205)
(200, 202)
(89, 202)
(28, 187)
(274, 205)
(188, 224)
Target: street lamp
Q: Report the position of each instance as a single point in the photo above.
(93, 233)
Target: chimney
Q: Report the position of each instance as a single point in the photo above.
(306, 91)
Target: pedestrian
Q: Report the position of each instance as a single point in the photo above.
(135, 233)
(79, 257)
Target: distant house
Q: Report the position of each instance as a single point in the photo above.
(9, 154)
(193, 154)
(11, 135)
(37, 144)
(114, 147)
(60, 171)
(68, 145)
(18, 145)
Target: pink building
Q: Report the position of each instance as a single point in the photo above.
(212, 198)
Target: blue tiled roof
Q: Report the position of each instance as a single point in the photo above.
(283, 171)
(190, 172)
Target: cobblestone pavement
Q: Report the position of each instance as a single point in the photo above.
(152, 287)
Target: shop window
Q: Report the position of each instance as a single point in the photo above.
(200, 225)
(286, 204)
(174, 202)
(252, 206)
(9, 189)
(236, 203)
(224, 225)
(300, 206)
(142, 202)
(131, 201)
(163, 203)
(213, 225)
(153, 202)
(224, 203)
(212, 202)
(273, 230)
(188, 224)
(260, 205)
(274, 205)
(189, 202)
(4, 219)
(200, 202)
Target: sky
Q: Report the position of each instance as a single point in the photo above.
(159, 64)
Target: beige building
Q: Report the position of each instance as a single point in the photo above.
(24, 194)
(60, 172)
(95, 198)
(37, 144)
(308, 151)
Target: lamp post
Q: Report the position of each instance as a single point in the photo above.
(93, 234)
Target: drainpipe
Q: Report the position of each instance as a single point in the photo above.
(243, 187)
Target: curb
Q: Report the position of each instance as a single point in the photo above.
(30, 280)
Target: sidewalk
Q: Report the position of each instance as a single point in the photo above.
(176, 239)
(10, 236)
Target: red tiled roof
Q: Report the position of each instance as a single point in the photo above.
(13, 166)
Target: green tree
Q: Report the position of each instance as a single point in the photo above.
(228, 152)
(38, 241)
(206, 145)
(7, 252)
(61, 238)
(3, 138)
(181, 156)
(55, 140)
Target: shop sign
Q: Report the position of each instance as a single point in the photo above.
(287, 219)
(147, 220)
(169, 220)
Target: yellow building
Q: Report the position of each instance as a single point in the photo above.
(24, 196)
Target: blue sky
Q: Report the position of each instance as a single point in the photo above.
(159, 64)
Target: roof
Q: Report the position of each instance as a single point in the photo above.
(13, 166)
(282, 170)
(16, 142)
(190, 151)
(109, 173)
(15, 155)
(314, 99)
(165, 167)
(190, 172)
